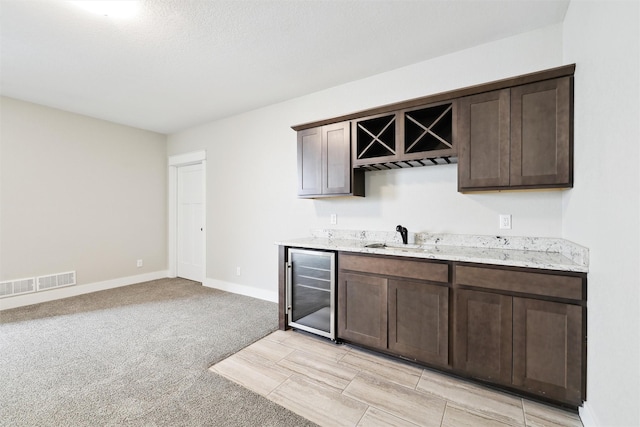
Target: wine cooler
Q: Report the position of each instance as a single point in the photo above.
(311, 291)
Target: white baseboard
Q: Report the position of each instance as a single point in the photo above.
(71, 291)
(249, 291)
(587, 416)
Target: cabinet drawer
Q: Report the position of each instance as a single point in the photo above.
(421, 270)
(548, 285)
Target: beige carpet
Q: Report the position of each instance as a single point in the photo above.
(136, 355)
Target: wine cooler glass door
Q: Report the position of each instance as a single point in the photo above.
(311, 285)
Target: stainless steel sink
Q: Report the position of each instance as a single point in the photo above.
(376, 246)
(402, 246)
(394, 246)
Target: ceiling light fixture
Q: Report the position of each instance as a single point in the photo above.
(113, 8)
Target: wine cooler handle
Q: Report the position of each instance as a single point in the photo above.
(289, 286)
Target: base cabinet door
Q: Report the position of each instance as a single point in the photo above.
(419, 321)
(362, 309)
(548, 340)
(483, 327)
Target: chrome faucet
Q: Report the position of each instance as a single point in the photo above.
(403, 232)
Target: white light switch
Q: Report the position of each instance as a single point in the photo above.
(334, 219)
(139, 263)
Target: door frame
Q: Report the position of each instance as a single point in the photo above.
(174, 162)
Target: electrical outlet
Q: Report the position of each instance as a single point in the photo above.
(139, 263)
(505, 222)
(334, 219)
(237, 271)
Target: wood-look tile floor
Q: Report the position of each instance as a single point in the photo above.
(341, 385)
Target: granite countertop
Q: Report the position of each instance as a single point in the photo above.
(533, 252)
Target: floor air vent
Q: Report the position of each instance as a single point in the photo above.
(17, 287)
(56, 280)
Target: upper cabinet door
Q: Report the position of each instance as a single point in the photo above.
(324, 163)
(483, 146)
(310, 162)
(336, 163)
(541, 134)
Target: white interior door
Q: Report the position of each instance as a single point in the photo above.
(190, 222)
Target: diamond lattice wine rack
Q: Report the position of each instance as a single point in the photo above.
(376, 138)
(428, 129)
(420, 136)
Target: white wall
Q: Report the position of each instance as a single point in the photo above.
(602, 212)
(79, 194)
(251, 169)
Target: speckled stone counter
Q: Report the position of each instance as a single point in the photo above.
(532, 252)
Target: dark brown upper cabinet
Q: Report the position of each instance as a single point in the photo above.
(519, 137)
(514, 133)
(324, 163)
(404, 138)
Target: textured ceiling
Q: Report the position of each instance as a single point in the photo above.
(180, 63)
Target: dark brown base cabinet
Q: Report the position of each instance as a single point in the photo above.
(380, 309)
(521, 329)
